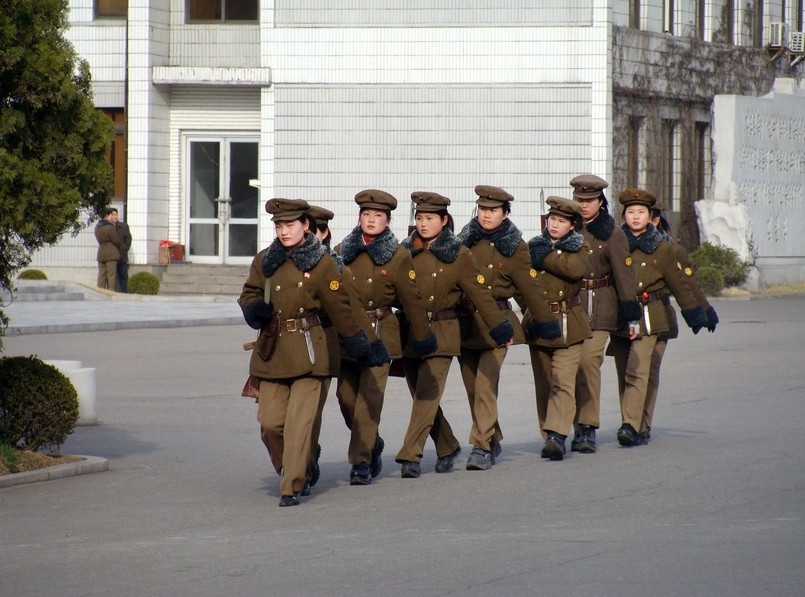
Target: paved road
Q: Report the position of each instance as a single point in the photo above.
(713, 506)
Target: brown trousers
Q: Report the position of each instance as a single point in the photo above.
(107, 270)
(588, 380)
(480, 370)
(285, 410)
(360, 396)
(633, 363)
(316, 431)
(653, 385)
(426, 381)
(555, 384)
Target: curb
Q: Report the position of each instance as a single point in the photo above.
(90, 464)
(120, 325)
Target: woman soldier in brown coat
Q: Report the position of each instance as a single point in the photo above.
(607, 295)
(289, 285)
(560, 255)
(445, 269)
(322, 217)
(659, 222)
(659, 274)
(502, 255)
(384, 277)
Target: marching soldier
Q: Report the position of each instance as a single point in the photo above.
(291, 285)
(659, 275)
(444, 270)
(607, 296)
(384, 276)
(503, 258)
(559, 254)
(661, 224)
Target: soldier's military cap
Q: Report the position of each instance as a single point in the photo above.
(563, 207)
(286, 210)
(376, 199)
(321, 215)
(430, 202)
(491, 196)
(588, 186)
(637, 197)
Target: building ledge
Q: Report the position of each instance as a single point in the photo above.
(195, 75)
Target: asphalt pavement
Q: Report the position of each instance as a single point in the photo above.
(188, 506)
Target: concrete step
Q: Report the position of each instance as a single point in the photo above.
(45, 290)
(193, 279)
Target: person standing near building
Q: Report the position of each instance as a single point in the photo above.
(444, 271)
(659, 275)
(109, 245)
(502, 256)
(291, 285)
(607, 296)
(559, 254)
(384, 277)
(122, 276)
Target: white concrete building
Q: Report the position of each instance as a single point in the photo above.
(319, 99)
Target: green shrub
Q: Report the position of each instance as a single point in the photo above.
(723, 259)
(32, 274)
(143, 283)
(710, 280)
(38, 404)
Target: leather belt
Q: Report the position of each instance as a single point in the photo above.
(301, 324)
(649, 297)
(593, 283)
(565, 306)
(379, 313)
(442, 315)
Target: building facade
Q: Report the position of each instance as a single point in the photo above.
(223, 104)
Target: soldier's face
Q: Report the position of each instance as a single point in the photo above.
(290, 234)
(429, 225)
(490, 218)
(589, 208)
(373, 221)
(559, 226)
(636, 218)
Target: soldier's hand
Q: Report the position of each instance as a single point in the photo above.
(712, 319)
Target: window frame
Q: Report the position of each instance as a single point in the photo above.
(122, 14)
(223, 19)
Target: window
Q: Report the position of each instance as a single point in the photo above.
(110, 8)
(222, 10)
(633, 165)
(757, 24)
(672, 167)
(634, 14)
(117, 152)
(700, 19)
(668, 16)
(703, 160)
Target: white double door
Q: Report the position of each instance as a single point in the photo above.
(222, 206)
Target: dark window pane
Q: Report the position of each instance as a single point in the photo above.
(241, 10)
(204, 10)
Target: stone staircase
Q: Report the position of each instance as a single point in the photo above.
(45, 290)
(189, 278)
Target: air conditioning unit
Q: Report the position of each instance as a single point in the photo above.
(778, 35)
(797, 42)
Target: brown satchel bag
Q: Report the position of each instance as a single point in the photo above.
(267, 340)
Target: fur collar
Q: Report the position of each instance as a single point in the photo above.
(602, 226)
(444, 247)
(506, 238)
(541, 245)
(646, 242)
(304, 257)
(339, 261)
(380, 250)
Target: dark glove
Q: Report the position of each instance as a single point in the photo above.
(257, 314)
(696, 329)
(376, 355)
(547, 330)
(426, 346)
(712, 319)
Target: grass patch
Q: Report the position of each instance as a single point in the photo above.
(19, 461)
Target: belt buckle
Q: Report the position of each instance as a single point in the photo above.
(290, 325)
